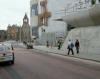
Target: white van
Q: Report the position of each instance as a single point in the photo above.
(6, 53)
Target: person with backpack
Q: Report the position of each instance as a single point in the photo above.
(70, 47)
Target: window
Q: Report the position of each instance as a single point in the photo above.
(33, 12)
(42, 21)
(34, 9)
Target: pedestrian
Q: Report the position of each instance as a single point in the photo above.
(56, 43)
(77, 45)
(59, 44)
(47, 43)
(99, 1)
(25, 43)
(70, 47)
(93, 2)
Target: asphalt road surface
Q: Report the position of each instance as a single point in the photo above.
(35, 64)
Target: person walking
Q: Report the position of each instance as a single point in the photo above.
(59, 44)
(70, 47)
(99, 1)
(77, 45)
(93, 2)
(47, 43)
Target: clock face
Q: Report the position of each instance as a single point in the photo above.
(25, 20)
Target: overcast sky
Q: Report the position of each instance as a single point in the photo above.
(13, 11)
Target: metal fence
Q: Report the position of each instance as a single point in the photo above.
(80, 5)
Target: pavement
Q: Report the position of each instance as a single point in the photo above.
(86, 56)
(81, 55)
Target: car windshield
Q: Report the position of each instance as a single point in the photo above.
(8, 48)
(5, 48)
(2, 48)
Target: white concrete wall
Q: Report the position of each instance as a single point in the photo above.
(34, 21)
(89, 17)
(55, 6)
(89, 38)
(57, 9)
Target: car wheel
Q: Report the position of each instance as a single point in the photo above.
(12, 62)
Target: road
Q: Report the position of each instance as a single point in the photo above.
(35, 64)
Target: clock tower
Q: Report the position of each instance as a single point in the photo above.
(25, 29)
(25, 19)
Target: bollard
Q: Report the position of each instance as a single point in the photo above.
(51, 46)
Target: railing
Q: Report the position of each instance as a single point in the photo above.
(81, 5)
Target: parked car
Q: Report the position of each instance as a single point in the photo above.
(29, 46)
(6, 53)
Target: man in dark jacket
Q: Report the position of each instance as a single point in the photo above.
(93, 2)
(99, 1)
(77, 45)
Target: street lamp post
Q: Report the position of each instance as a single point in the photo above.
(30, 33)
(20, 34)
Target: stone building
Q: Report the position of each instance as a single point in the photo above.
(25, 34)
(3, 35)
(13, 32)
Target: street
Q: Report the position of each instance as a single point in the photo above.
(35, 64)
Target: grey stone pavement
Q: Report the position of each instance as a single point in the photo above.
(54, 50)
(89, 56)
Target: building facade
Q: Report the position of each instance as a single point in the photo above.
(45, 19)
(49, 10)
(47, 16)
(13, 32)
(88, 36)
(34, 13)
(25, 30)
(3, 35)
(34, 19)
